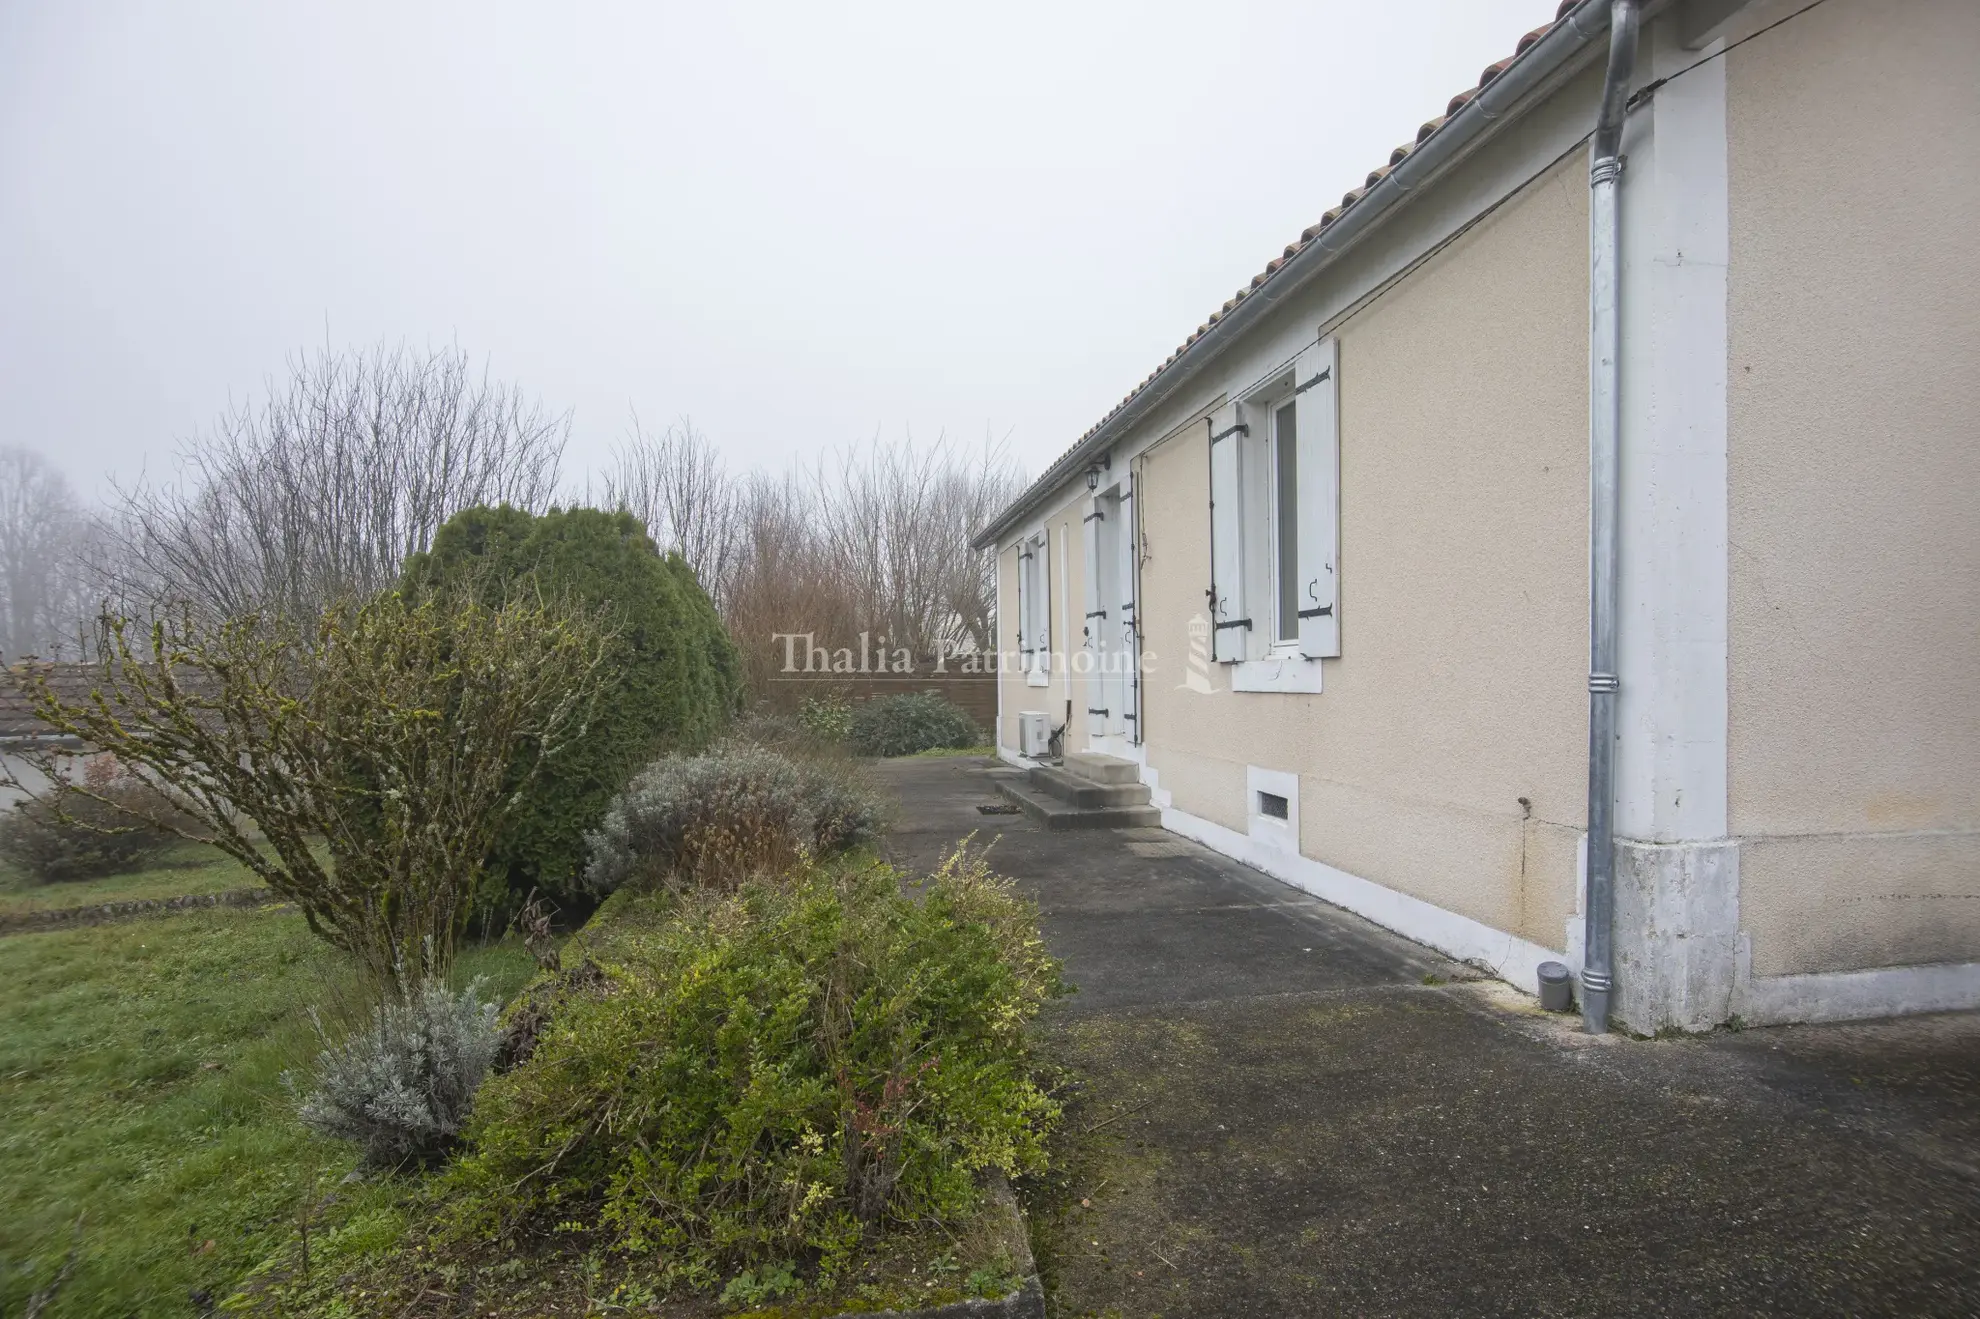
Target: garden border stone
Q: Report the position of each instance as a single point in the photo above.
(103, 913)
(1027, 1302)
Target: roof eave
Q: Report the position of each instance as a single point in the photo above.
(1570, 37)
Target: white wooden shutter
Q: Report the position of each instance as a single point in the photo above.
(1229, 620)
(1124, 621)
(1318, 419)
(1095, 612)
(1023, 605)
(1043, 632)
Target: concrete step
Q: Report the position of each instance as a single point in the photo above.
(1085, 793)
(1103, 769)
(1052, 812)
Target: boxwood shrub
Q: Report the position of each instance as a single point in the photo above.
(910, 722)
(772, 1074)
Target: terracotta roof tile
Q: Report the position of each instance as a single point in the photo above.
(1312, 232)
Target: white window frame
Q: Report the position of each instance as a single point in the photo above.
(1270, 663)
(1277, 646)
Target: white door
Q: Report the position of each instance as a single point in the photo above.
(1109, 624)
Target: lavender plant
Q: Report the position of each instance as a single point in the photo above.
(713, 820)
(403, 1087)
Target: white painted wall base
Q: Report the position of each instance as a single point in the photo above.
(1507, 956)
(1682, 961)
(1855, 995)
(1680, 958)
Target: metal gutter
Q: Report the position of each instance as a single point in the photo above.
(1566, 39)
(1604, 460)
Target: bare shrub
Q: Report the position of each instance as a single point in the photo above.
(380, 750)
(115, 822)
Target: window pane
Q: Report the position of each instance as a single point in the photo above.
(1285, 484)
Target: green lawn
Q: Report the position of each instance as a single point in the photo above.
(186, 869)
(140, 1093)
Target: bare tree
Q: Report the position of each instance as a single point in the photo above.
(874, 539)
(677, 484)
(44, 538)
(972, 491)
(782, 580)
(897, 518)
(321, 490)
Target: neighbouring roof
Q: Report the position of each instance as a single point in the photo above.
(71, 682)
(1054, 474)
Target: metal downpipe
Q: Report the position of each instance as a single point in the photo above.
(1604, 432)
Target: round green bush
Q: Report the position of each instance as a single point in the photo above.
(911, 722)
(673, 676)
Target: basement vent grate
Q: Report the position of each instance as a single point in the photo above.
(1271, 804)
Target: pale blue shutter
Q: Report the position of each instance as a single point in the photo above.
(1318, 419)
(1229, 618)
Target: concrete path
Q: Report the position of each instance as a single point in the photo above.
(1280, 1109)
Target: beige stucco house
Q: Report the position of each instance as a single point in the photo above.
(1325, 575)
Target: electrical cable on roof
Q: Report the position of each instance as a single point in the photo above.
(1635, 100)
(1650, 88)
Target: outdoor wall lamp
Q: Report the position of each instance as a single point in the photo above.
(1105, 464)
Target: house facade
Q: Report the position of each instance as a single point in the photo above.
(1325, 575)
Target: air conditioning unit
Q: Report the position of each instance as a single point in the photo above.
(1034, 733)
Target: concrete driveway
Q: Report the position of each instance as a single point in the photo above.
(1276, 1108)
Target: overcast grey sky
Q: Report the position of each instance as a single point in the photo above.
(800, 224)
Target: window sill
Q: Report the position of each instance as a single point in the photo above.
(1293, 673)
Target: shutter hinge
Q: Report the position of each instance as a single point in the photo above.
(1325, 371)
